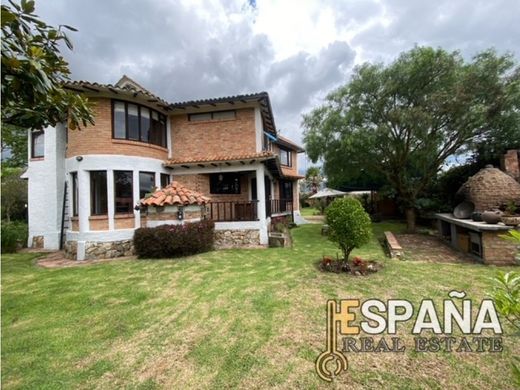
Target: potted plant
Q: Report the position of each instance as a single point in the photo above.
(510, 216)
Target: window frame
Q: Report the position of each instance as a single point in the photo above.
(161, 117)
(212, 183)
(92, 203)
(34, 135)
(288, 152)
(211, 113)
(115, 191)
(75, 193)
(154, 175)
(169, 179)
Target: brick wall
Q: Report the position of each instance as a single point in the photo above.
(510, 164)
(216, 137)
(496, 250)
(98, 223)
(97, 139)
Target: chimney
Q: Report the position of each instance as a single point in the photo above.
(510, 164)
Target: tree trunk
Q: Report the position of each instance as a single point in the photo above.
(410, 219)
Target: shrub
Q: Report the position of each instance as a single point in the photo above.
(174, 240)
(349, 224)
(14, 235)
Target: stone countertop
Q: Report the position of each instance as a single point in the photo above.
(473, 225)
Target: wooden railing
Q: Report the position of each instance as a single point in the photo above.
(232, 211)
(279, 206)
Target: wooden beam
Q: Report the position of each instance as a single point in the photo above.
(201, 165)
(252, 161)
(231, 102)
(215, 165)
(228, 164)
(243, 163)
(185, 166)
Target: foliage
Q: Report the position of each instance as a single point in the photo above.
(349, 224)
(14, 234)
(174, 240)
(405, 119)
(14, 194)
(512, 235)
(313, 179)
(14, 140)
(506, 294)
(33, 72)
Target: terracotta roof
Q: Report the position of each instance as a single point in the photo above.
(287, 142)
(174, 194)
(218, 158)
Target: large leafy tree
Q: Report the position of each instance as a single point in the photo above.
(33, 72)
(405, 119)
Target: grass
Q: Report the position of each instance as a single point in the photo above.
(309, 211)
(224, 319)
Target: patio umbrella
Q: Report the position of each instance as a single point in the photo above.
(327, 193)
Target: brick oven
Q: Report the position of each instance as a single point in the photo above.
(489, 189)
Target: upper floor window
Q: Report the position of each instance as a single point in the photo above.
(286, 157)
(212, 116)
(37, 144)
(138, 123)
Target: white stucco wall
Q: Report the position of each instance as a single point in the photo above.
(46, 179)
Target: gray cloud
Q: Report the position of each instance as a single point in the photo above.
(182, 52)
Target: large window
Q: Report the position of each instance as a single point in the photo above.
(74, 179)
(224, 183)
(212, 116)
(98, 192)
(138, 123)
(165, 180)
(285, 157)
(123, 191)
(286, 190)
(146, 183)
(37, 144)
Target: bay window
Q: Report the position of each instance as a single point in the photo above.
(138, 123)
(98, 193)
(146, 183)
(123, 191)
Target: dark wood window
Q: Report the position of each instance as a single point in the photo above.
(138, 123)
(286, 190)
(74, 197)
(98, 192)
(146, 183)
(212, 116)
(37, 144)
(123, 191)
(224, 183)
(286, 157)
(165, 180)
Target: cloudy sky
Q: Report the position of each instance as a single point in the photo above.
(295, 50)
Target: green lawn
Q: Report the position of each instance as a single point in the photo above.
(309, 211)
(234, 318)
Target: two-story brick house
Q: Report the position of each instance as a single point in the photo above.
(84, 185)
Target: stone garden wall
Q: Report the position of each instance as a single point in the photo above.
(237, 238)
(100, 250)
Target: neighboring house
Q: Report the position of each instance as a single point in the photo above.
(84, 184)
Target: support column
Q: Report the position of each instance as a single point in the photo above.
(260, 188)
(137, 214)
(83, 209)
(110, 198)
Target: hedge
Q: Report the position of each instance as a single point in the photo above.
(14, 235)
(174, 240)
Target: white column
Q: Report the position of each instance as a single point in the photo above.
(110, 198)
(137, 214)
(158, 179)
(83, 200)
(260, 188)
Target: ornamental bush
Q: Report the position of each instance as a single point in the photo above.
(349, 224)
(14, 236)
(168, 241)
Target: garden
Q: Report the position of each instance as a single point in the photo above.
(233, 318)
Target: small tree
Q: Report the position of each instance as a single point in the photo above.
(349, 224)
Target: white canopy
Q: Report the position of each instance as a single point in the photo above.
(326, 193)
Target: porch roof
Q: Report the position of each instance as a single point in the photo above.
(174, 194)
(212, 160)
